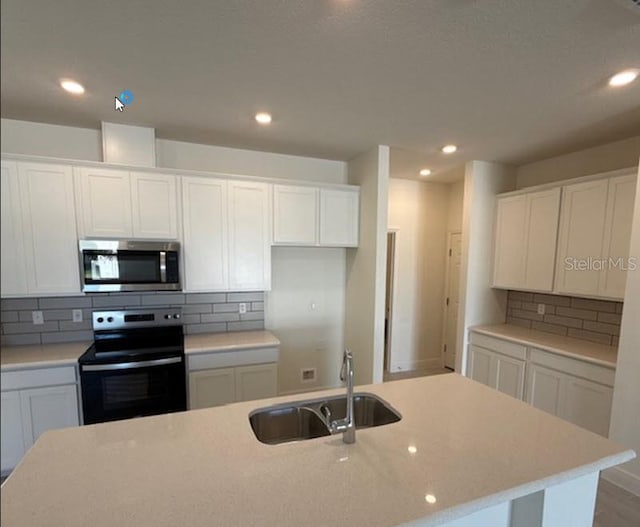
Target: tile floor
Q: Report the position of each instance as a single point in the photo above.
(615, 507)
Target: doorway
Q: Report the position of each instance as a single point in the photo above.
(452, 300)
(388, 303)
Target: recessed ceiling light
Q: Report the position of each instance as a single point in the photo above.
(623, 78)
(425, 172)
(263, 118)
(72, 86)
(449, 149)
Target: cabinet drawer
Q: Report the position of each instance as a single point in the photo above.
(16, 380)
(226, 359)
(579, 368)
(517, 351)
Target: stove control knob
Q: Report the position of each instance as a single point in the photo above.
(100, 320)
(110, 319)
(176, 316)
(167, 317)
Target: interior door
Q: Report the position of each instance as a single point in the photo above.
(453, 301)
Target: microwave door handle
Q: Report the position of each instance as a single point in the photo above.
(131, 365)
(163, 266)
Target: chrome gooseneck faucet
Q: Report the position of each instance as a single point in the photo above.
(347, 425)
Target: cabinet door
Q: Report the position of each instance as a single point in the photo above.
(205, 234)
(249, 239)
(256, 382)
(12, 269)
(295, 215)
(587, 404)
(211, 388)
(482, 365)
(509, 257)
(543, 210)
(154, 206)
(12, 439)
(339, 217)
(617, 235)
(544, 388)
(582, 224)
(47, 409)
(105, 198)
(509, 376)
(48, 215)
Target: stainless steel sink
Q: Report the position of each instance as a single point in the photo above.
(303, 420)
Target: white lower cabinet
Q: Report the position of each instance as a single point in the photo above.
(12, 437)
(29, 409)
(580, 401)
(498, 371)
(574, 390)
(212, 387)
(220, 386)
(217, 378)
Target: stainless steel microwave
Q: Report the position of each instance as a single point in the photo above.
(129, 265)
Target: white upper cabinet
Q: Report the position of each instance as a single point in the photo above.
(617, 235)
(295, 215)
(154, 206)
(315, 216)
(48, 215)
(12, 268)
(526, 236)
(339, 217)
(511, 225)
(104, 202)
(122, 204)
(249, 236)
(595, 231)
(205, 245)
(226, 235)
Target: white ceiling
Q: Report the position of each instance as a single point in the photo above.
(507, 80)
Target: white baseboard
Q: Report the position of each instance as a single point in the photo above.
(623, 478)
(432, 363)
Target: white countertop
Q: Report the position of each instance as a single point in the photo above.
(570, 347)
(211, 342)
(474, 447)
(41, 355)
(48, 355)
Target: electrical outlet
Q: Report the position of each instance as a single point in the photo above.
(242, 308)
(77, 315)
(37, 317)
(308, 374)
(541, 309)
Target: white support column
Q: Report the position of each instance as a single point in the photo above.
(570, 504)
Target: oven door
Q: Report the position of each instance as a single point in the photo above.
(133, 389)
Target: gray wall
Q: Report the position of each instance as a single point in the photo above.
(203, 313)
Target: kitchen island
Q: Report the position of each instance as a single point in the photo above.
(462, 454)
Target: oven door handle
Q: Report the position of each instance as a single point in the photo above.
(131, 365)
